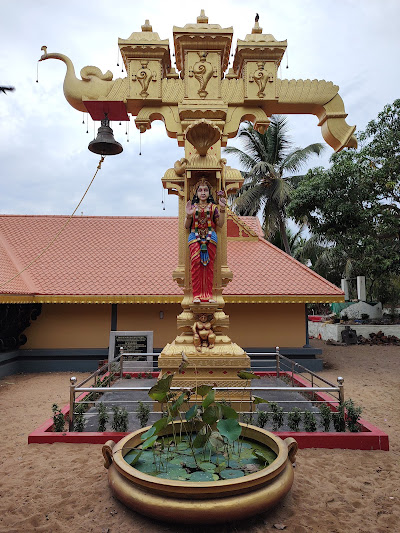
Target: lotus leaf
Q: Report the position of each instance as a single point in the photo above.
(179, 474)
(191, 413)
(257, 400)
(227, 411)
(160, 390)
(133, 456)
(201, 476)
(229, 473)
(202, 390)
(149, 442)
(177, 404)
(230, 428)
(201, 438)
(209, 399)
(244, 374)
(216, 440)
(217, 459)
(210, 415)
(207, 467)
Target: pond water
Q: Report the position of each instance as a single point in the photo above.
(182, 462)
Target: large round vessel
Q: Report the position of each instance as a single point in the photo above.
(201, 502)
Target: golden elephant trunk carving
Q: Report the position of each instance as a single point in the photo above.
(94, 85)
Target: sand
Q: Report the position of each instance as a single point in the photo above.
(64, 488)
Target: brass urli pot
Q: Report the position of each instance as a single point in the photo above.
(201, 502)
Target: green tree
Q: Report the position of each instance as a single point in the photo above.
(353, 208)
(268, 160)
(295, 240)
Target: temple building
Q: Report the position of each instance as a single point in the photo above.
(107, 274)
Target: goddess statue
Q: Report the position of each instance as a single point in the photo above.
(202, 218)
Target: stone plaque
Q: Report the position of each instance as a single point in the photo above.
(140, 342)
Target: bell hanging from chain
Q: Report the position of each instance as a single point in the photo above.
(104, 143)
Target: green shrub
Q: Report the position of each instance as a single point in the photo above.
(326, 416)
(79, 419)
(338, 418)
(247, 418)
(103, 417)
(120, 419)
(142, 414)
(353, 416)
(310, 422)
(277, 416)
(294, 419)
(58, 419)
(262, 418)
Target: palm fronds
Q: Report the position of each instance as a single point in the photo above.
(266, 158)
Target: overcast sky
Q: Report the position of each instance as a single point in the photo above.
(45, 163)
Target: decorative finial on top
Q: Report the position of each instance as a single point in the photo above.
(202, 18)
(147, 26)
(256, 28)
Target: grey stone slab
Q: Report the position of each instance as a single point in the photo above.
(130, 399)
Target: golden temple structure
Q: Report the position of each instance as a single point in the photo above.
(202, 105)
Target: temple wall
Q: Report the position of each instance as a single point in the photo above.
(146, 317)
(70, 326)
(63, 326)
(261, 325)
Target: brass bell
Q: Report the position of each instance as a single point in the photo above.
(104, 143)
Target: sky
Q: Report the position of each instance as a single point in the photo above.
(45, 164)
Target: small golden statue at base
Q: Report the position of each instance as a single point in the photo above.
(203, 334)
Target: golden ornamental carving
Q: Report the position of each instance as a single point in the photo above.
(144, 76)
(202, 134)
(229, 101)
(261, 77)
(180, 166)
(232, 91)
(219, 382)
(203, 72)
(173, 90)
(306, 91)
(94, 84)
(207, 361)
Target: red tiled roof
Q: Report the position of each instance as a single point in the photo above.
(135, 256)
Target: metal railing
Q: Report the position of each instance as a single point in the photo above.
(277, 366)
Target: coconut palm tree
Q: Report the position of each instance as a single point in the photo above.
(267, 159)
(296, 242)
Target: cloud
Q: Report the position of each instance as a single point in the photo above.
(45, 164)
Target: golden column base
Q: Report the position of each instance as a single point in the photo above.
(217, 366)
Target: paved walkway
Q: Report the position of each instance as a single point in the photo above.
(130, 399)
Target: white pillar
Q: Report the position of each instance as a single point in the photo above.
(345, 288)
(361, 292)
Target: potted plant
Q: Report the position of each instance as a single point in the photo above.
(198, 463)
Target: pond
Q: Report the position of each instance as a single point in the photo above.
(182, 462)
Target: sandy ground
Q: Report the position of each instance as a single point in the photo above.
(64, 488)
